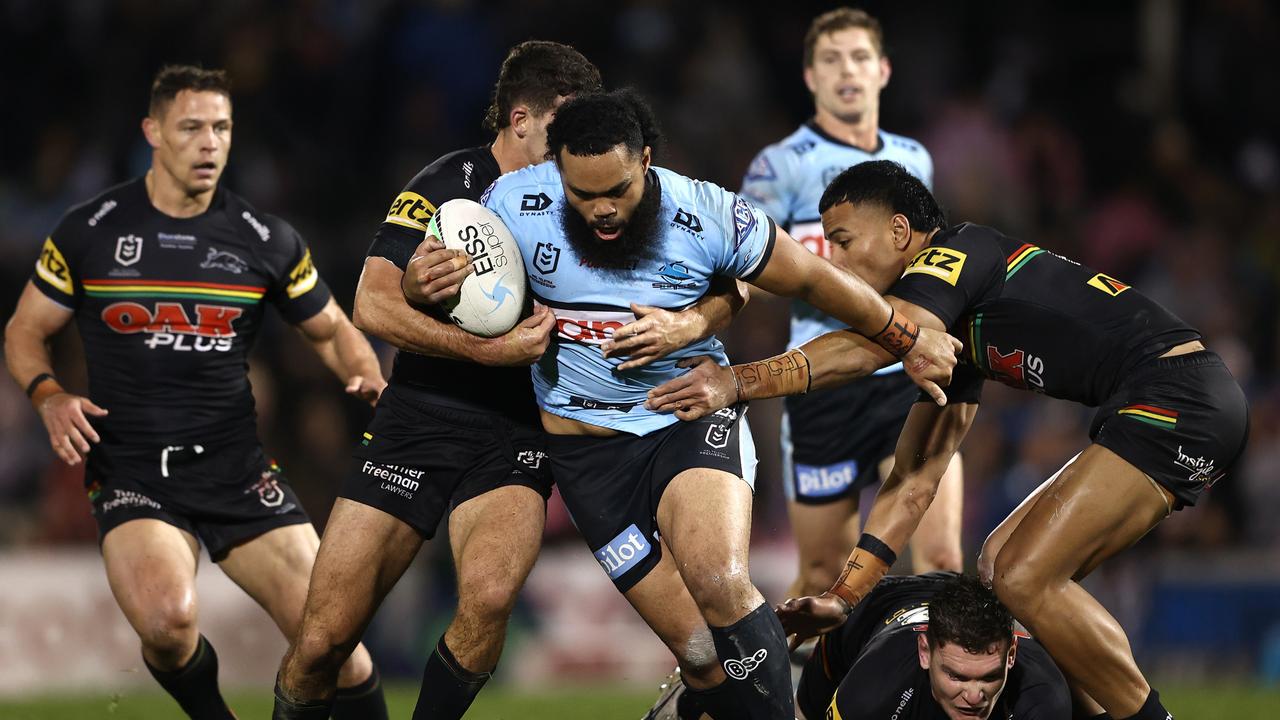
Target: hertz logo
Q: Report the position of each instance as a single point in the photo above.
(52, 268)
(303, 277)
(1107, 284)
(411, 210)
(942, 263)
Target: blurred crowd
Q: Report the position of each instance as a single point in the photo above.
(1141, 138)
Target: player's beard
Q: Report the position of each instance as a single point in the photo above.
(636, 243)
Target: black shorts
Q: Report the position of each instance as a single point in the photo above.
(833, 440)
(612, 485)
(1182, 420)
(421, 457)
(223, 494)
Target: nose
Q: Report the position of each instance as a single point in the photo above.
(604, 209)
(972, 695)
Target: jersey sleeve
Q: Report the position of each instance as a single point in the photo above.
(767, 185)
(949, 278)
(405, 225)
(297, 289)
(56, 274)
(926, 168)
(746, 238)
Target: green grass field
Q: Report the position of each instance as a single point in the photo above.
(1201, 702)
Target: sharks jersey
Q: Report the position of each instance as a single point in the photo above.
(704, 231)
(787, 179)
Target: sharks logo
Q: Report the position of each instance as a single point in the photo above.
(675, 276)
(499, 295)
(223, 260)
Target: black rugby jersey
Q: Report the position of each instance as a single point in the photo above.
(1035, 320)
(876, 655)
(168, 309)
(460, 174)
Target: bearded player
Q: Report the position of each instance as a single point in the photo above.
(167, 278)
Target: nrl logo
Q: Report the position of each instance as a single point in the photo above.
(128, 249)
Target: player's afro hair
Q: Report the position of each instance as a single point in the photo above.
(889, 185)
(964, 612)
(595, 123)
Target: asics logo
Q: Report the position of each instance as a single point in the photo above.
(740, 669)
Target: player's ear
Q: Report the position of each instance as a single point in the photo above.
(922, 646)
(1013, 653)
(901, 231)
(886, 69)
(809, 82)
(151, 131)
(519, 120)
(646, 157)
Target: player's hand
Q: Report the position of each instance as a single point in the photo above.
(524, 343)
(69, 430)
(368, 389)
(931, 360)
(706, 388)
(434, 273)
(811, 616)
(655, 334)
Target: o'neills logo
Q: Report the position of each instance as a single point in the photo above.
(263, 231)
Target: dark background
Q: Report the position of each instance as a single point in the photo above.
(1140, 138)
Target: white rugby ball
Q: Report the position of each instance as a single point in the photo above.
(491, 299)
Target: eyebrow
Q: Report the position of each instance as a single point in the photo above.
(993, 675)
(614, 191)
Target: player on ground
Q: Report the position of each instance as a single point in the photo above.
(451, 436)
(1172, 421)
(167, 277)
(666, 506)
(938, 645)
(837, 442)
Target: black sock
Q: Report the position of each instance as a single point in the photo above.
(1152, 709)
(720, 702)
(287, 708)
(361, 702)
(1101, 716)
(753, 652)
(447, 687)
(195, 685)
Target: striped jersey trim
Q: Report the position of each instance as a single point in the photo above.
(1020, 258)
(1151, 415)
(174, 289)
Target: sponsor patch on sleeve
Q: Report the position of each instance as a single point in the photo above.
(411, 210)
(302, 277)
(1107, 284)
(942, 263)
(761, 169)
(53, 269)
(744, 221)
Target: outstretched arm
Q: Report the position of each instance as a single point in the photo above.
(930, 437)
(26, 352)
(928, 354)
(826, 361)
(656, 333)
(345, 351)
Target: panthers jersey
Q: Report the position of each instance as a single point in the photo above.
(168, 309)
(787, 179)
(874, 661)
(504, 390)
(1035, 320)
(704, 231)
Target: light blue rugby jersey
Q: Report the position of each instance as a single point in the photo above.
(787, 179)
(705, 230)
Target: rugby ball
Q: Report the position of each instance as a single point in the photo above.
(491, 299)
